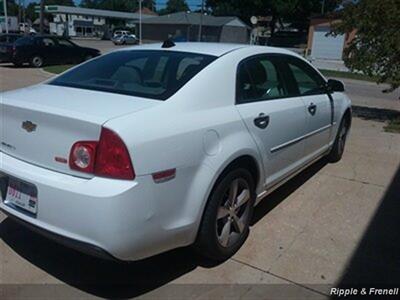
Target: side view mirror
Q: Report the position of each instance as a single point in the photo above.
(335, 85)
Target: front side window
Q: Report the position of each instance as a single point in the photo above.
(48, 42)
(65, 43)
(259, 79)
(151, 74)
(308, 81)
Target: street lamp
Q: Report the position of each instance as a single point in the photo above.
(201, 20)
(140, 22)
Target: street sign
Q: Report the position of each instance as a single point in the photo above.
(47, 8)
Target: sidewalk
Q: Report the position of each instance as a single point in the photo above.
(333, 65)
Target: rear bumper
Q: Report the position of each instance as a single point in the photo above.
(68, 242)
(5, 57)
(99, 216)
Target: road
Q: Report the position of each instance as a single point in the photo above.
(332, 224)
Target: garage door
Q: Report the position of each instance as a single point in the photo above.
(326, 47)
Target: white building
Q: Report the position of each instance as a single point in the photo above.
(78, 21)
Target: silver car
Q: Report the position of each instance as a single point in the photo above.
(125, 39)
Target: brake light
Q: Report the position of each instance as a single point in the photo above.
(112, 159)
(108, 157)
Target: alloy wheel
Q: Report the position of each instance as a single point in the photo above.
(233, 213)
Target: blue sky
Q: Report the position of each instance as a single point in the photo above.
(193, 4)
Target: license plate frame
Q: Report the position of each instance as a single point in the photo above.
(22, 196)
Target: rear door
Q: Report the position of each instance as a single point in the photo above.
(47, 48)
(275, 118)
(312, 88)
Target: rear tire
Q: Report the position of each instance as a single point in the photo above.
(37, 61)
(338, 146)
(226, 219)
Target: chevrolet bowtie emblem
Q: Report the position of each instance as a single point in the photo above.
(29, 126)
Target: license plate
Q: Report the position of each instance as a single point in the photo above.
(21, 194)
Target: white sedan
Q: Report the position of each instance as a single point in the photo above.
(156, 147)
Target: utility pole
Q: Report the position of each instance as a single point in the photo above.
(201, 20)
(19, 12)
(5, 15)
(323, 7)
(140, 22)
(41, 16)
(23, 12)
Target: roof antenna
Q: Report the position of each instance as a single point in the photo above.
(168, 44)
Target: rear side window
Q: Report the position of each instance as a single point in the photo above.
(308, 81)
(25, 41)
(259, 79)
(145, 73)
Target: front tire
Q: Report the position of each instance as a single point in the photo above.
(226, 219)
(37, 61)
(338, 146)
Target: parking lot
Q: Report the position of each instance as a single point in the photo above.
(333, 224)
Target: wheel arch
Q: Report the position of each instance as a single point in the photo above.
(246, 159)
(347, 115)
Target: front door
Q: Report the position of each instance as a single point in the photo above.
(69, 52)
(275, 118)
(48, 50)
(312, 88)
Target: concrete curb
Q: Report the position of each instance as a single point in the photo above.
(41, 70)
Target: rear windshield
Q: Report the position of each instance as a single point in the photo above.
(142, 73)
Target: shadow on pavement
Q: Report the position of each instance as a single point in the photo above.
(11, 66)
(376, 261)
(110, 279)
(281, 193)
(374, 113)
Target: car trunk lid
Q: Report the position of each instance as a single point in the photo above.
(41, 123)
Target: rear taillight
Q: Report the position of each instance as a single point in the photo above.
(82, 156)
(108, 157)
(112, 159)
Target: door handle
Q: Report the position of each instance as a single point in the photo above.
(312, 109)
(261, 121)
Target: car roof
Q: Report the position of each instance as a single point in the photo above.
(10, 34)
(214, 49)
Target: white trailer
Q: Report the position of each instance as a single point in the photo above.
(12, 23)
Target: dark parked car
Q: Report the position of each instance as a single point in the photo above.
(287, 39)
(6, 44)
(46, 50)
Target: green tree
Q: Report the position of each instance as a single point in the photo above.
(30, 13)
(296, 11)
(12, 7)
(174, 6)
(89, 3)
(121, 5)
(375, 51)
